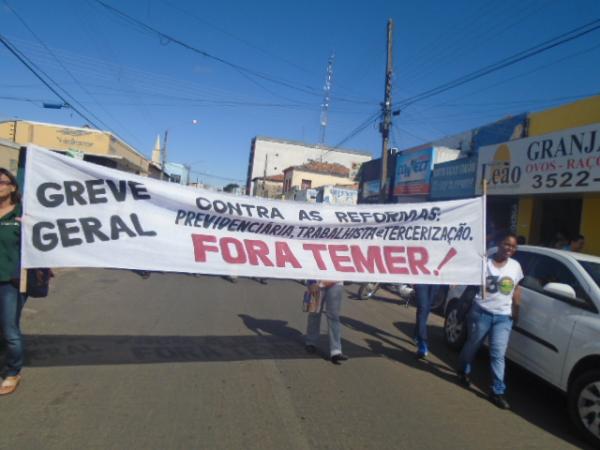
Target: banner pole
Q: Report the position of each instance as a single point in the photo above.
(21, 182)
(484, 208)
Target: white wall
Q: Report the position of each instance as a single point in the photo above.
(281, 155)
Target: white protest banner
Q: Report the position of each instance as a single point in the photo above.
(78, 214)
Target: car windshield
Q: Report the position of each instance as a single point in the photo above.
(593, 269)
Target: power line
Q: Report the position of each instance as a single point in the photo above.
(23, 59)
(190, 14)
(506, 62)
(218, 59)
(218, 177)
(83, 88)
(359, 129)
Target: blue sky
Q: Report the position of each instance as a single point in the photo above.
(140, 85)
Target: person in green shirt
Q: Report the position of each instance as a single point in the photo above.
(11, 300)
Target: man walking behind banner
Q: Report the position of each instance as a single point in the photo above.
(493, 314)
(331, 298)
(425, 296)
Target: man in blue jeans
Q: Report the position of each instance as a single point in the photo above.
(492, 314)
(425, 295)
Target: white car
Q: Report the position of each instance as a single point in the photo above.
(557, 337)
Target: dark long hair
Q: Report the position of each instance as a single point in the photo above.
(15, 196)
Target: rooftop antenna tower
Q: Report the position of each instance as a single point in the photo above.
(326, 98)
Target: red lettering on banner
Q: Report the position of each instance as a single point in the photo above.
(225, 244)
(392, 259)
(200, 247)
(341, 258)
(284, 255)
(369, 262)
(417, 259)
(257, 250)
(316, 250)
(337, 259)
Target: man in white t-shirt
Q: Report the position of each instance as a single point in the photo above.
(492, 314)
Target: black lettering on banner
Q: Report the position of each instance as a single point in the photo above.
(341, 216)
(118, 226)
(303, 215)
(49, 200)
(315, 215)
(138, 226)
(138, 191)
(64, 230)
(44, 242)
(91, 228)
(96, 191)
(203, 203)
(73, 192)
(119, 192)
(262, 212)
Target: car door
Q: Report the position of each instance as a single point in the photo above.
(540, 339)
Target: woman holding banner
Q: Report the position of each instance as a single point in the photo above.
(492, 315)
(11, 300)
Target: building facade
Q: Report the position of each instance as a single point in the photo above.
(270, 157)
(101, 145)
(9, 155)
(314, 174)
(178, 173)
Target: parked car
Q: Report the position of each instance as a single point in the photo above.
(557, 337)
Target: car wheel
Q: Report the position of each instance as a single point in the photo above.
(367, 290)
(584, 405)
(455, 331)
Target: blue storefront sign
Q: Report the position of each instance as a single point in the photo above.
(454, 179)
(413, 172)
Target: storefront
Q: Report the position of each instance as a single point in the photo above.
(414, 168)
(542, 186)
(369, 185)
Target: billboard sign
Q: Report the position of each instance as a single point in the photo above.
(454, 179)
(562, 162)
(413, 172)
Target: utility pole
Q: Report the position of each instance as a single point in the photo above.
(163, 155)
(326, 99)
(386, 106)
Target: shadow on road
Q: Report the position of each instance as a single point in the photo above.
(273, 340)
(529, 397)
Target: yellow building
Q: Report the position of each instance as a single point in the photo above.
(101, 147)
(568, 211)
(9, 155)
(314, 174)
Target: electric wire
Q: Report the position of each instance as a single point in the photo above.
(23, 59)
(506, 62)
(79, 84)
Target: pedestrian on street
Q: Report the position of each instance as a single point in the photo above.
(425, 296)
(11, 300)
(576, 244)
(331, 299)
(493, 314)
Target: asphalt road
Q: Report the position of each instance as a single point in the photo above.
(183, 362)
